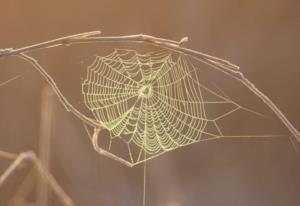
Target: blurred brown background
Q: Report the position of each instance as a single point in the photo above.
(260, 36)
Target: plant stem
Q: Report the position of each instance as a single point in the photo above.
(89, 37)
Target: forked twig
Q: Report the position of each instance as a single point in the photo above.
(30, 156)
(89, 37)
(94, 139)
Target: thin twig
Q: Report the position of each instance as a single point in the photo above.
(25, 156)
(8, 155)
(101, 151)
(48, 44)
(89, 37)
(69, 107)
(10, 80)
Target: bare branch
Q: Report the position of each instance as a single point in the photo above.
(48, 44)
(94, 139)
(89, 37)
(69, 107)
(25, 156)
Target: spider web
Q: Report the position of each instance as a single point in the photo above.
(152, 103)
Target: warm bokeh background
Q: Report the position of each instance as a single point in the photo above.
(260, 36)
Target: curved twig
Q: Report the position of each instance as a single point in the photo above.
(69, 107)
(89, 37)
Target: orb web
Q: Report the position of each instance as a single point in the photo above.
(152, 102)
